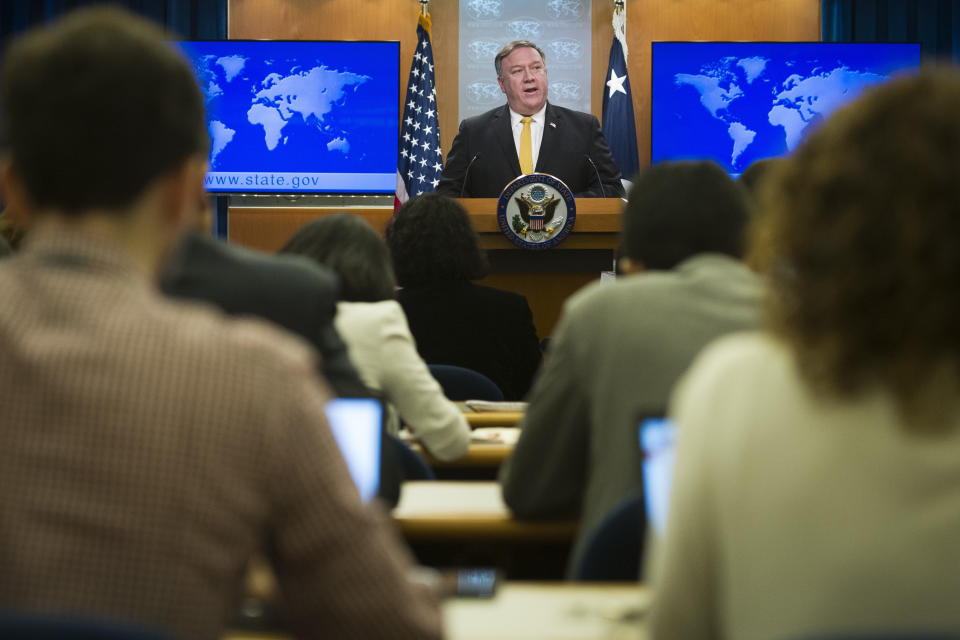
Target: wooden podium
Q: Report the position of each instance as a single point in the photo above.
(546, 278)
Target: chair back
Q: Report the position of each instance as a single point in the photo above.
(411, 465)
(613, 552)
(28, 626)
(460, 383)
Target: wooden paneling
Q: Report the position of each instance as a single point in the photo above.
(363, 20)
(269, 228)
(647, 20)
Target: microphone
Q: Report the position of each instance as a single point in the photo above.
(466, 174)
(603, 193)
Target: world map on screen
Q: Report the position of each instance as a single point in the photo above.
(284, 103)
(299, 115)
(735, 109)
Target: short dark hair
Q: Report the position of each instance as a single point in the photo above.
(676, 210)
(96, 107)
(509, 48)
(431, 240)
(865, 215)
(352, 249)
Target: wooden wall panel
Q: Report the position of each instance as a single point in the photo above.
(787, 20)
(647, 20)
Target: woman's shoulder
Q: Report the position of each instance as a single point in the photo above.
(367, 316)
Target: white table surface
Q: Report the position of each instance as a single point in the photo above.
(423, 498)
(554, 611)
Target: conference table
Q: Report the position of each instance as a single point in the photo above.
(494, 435)
(538, 611)
(489, 447)
(450, 524)
(443, 510)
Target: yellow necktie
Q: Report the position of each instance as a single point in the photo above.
(526, 147)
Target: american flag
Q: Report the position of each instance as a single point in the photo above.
(421, 161)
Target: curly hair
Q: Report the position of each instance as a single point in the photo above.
(432, 240)
(353, 250)
(866, 220)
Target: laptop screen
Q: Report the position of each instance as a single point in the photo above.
(657, 436)
(356, 425)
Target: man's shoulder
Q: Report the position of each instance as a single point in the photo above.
(580, 117)
(200, 334)
(484, 118)
(202, 253)
(712, 277)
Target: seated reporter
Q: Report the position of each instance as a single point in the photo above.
(816, 491)
(620, 347)
(375, 329)
(436, 256)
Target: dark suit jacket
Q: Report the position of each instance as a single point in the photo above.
(480, 328)
(289, 291)
(569, 137)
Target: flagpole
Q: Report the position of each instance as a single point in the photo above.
(424, 4)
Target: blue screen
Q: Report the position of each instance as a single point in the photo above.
(737, 102)
(300, 117)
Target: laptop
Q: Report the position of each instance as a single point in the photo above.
(357, 425)
(657, 441)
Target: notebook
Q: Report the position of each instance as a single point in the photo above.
(356, 424)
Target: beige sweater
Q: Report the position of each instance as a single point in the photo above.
(797, 517)
(383, 351)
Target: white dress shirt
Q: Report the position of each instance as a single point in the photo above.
(536, 132)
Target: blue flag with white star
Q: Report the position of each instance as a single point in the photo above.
(618, 125)
(421, 160)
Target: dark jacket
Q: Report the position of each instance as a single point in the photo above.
(480, 328)
(569, 138)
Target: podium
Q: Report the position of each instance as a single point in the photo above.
(547, 278)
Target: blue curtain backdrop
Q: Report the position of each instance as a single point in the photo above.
(182, 19)
(935, 24)
(188, 19)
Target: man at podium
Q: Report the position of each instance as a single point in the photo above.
(528, 134)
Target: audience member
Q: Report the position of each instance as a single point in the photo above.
(816, 490)
(620, 347)
(436, 254)
(148, 446)
(376, 332)
(292, 293)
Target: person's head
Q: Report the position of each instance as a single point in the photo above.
(676, 210)
(866, 219)
(754, 179)
(98, 110)
(522, 74)
(757, 173)
(431, 240)
(349, 247)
